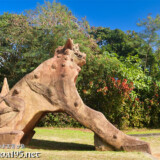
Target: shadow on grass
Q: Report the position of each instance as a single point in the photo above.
(54, 145)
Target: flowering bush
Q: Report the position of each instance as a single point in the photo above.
(124, 95)
(116, 94)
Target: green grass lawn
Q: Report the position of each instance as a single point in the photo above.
(142, 131)
(78, 144)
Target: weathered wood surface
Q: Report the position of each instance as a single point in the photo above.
(51, 88)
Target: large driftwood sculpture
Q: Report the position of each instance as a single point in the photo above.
(51, 88)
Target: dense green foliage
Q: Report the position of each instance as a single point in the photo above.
(27, 40)
(150, 34)
(121, 77)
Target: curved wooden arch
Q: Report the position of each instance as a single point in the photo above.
(51, 88)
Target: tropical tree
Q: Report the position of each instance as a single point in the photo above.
(150, 34)
(28, 39)
(117, 41)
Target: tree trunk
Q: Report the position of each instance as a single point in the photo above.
(50, 88)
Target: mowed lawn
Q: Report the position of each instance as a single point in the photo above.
(78, 144)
